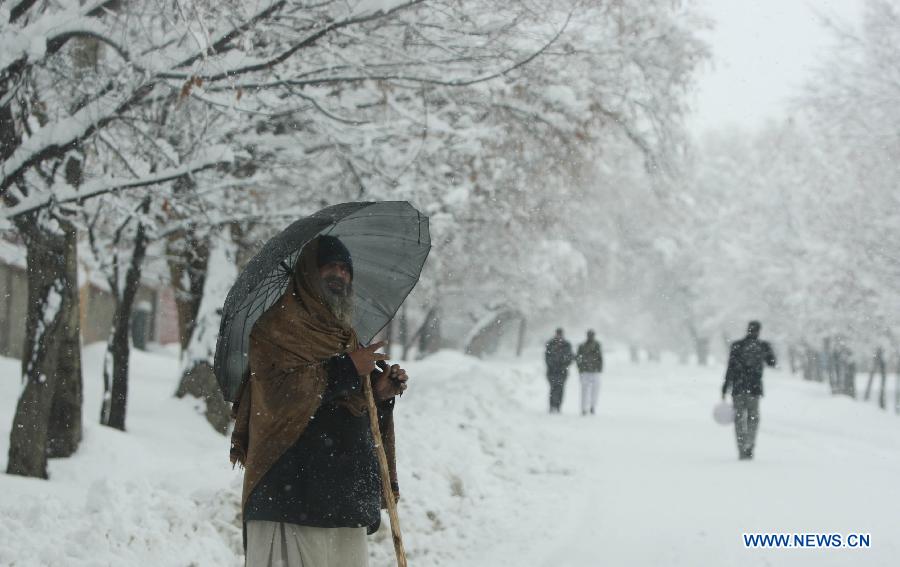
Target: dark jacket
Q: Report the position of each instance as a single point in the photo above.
(330, 477)
(745, 366)
(558, 355)
(589, 357)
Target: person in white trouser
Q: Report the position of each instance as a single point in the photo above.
(589, 359)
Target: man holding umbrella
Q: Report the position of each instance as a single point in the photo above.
(312, 486)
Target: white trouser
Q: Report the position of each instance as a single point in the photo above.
(590, 387)
(277, 544)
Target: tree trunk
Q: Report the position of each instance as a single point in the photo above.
(47, 422)
(486, 340)
(115, 399)
(702, 347)
(520, 341)
(879, 366)
(809, 363)
(701, 344)
(818, 366)
(430, 333)
(188, 257)
(198, 379)
(65, 429)
(850, 379)
(200, 382)
(832, 371)
(404, 332)
(869, 383)
(419, 335)
(897, 392)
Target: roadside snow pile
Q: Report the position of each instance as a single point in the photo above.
(468, 478)
(163, 493)
(123, 523)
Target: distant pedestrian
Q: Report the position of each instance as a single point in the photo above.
(558, 355)
(589, 360)
(744, 377)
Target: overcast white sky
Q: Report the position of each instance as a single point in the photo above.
(762, 50)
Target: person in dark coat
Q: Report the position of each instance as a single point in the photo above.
(744, 378)
(558, 355)
(589, 360)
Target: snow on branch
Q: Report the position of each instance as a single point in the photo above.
(374, 7)
(29, 44)
(212, 157)
(401, 77)
(265, 10)
(353, 19)
(57, 136)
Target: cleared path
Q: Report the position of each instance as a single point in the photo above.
(652, 480)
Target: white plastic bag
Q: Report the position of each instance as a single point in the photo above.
(723, 413)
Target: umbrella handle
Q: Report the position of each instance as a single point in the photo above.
(385, 472)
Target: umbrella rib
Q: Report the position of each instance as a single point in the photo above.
(386, 235)
(261, 306)
(354, 216)
(272, 280)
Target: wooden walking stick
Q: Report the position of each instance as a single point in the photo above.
(385, 472)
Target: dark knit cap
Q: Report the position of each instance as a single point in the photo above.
(333, 250)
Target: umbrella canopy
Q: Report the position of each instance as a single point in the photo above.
(388, 241)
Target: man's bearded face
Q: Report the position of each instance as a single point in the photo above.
(337, 289)
(336, 286)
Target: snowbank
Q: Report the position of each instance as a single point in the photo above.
(162, 493)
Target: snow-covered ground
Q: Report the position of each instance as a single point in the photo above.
(487, 477)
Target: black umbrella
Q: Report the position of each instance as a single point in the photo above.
(388, 242)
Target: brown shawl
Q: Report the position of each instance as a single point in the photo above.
(289, 345)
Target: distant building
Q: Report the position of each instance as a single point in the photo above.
(157, 323)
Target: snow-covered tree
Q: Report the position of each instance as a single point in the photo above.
(76, 76)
